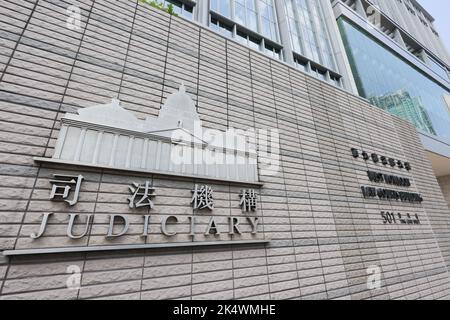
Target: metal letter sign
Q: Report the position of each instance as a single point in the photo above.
(248, 200)
(144, 192)
(202, 197)
(67, 187)
(62, 187)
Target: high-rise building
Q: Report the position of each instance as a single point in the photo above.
(393, 46)
(223, 149)
(403, 105)
(298, 32)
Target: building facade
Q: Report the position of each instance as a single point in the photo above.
(400, 64)
(119, 181)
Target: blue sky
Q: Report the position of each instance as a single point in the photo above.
(440, 10)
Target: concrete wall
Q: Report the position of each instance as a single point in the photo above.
(444, 182)
(324, 234)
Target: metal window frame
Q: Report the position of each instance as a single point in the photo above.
(203, 13)
(257, 33)
(184, 3)
(249, 32)
(343, 10)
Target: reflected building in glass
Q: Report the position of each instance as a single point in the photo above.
(399, 63)
(372, 48)
(406, 107)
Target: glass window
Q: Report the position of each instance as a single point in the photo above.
(301, 64)
(248, 40)
(222, 6)
(256, 15)
(319, 74)
(309, 35)
(180, 8)
(221, 27)
(447, 102)
(394, 84)
(254, 43)
(240, 13)
(268, 19)
(188, 12)
(335, 80)
(255, 20)
(242, 37)
(272, 51)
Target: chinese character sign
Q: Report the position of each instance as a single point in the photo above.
(141, 195)
(67, 188)
(64, 186)
(249, 200)
(202, 197)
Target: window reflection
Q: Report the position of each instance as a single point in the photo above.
(256, 15)
(180, 8)
(393, 84)
(222, 6)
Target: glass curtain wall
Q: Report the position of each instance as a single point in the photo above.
(254, 23)
(309, 36)
(258, 16)
(395, 85)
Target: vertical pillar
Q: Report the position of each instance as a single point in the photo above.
(202, 12)
(316, 29)
(285, 36)
(348, 82)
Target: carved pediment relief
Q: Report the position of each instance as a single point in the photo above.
(111, 115)
(179, 112)
(110, 136)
